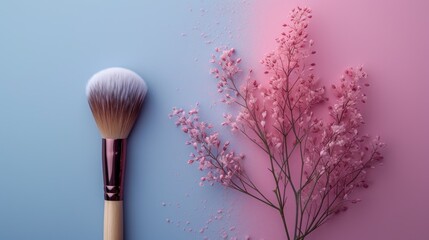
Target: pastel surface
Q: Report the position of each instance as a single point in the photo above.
(50, 147)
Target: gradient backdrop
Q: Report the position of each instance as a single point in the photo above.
(50, 180)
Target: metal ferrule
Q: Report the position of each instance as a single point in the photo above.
(114, 151)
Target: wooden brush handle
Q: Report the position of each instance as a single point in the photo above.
(113, 217)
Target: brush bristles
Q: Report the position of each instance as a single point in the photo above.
(115, 96)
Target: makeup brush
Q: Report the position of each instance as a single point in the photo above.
(115, 96)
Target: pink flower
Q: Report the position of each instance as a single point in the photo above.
(330, 158)
(222, 165)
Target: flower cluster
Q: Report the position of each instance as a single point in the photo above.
(211, 155)
(338, 156)
(319, 162)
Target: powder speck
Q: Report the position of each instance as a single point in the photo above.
(224, 235)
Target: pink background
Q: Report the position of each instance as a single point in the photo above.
(391, 39)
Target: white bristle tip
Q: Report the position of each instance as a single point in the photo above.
(109, 77)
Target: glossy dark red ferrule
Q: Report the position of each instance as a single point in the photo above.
(114, 153)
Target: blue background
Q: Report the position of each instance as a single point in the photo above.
(50, 181)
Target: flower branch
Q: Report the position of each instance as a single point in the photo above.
(319, 163)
